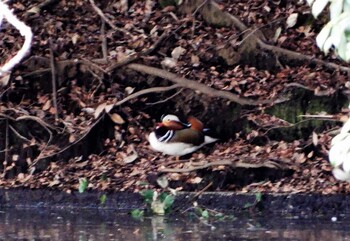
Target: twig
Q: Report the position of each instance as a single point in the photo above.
(46, 144)
(190, 84)
(165, 100)
(5, 162)
(18, 135)
(134, 57)
(253, 31)
(199, 7)
(299, 86)
(194, 14)
(100, 13)
(146, 91)
(4, 92)
(291, 125)
(104, 41)
(37, 119)
(206, 165)
(91, 64)
(194, 197)
(322, 117)
(53, 79)
(203, 190)
(231, 163)
(32, 166)
(7, 117)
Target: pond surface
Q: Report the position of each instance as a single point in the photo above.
(45, 224)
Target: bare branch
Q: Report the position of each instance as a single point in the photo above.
(190, 84)
(53, 79)
(100, 13)
(147, 91)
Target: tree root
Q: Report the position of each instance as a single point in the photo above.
(231, 163)
(254, 40)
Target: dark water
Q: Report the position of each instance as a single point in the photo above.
(107, 225)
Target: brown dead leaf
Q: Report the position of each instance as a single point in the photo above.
(47, 105)
(195, 60)
(53, 110)
(314, 138)
(131, 158)
(5, 79)
(72, 138)
(116, 118)
(195, 180)
(177, 52)
(75, 38)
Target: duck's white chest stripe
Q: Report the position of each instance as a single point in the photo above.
(168, 135)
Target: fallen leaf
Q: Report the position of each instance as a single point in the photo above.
(292, 20)
(34, 10)
(195, 180)
(72, 138)
(108, 108)
(163, 182)
(129, 90)
(47, 105)
(5, 79)
(75, 38)
(131, 158)
(177, 52)
(195, 60)
(169, 62)
(314, 138)
(99, 110)
(116, 118)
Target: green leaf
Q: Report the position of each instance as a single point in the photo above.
(258, 197)
(248, 205)
(148, 195)
(103, 199)
(142, 183)
(205, 214)
(162, 196)
(83, 183)
(219, 215)
(137, 213)
(168, 202)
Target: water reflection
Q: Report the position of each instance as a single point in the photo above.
(107, 225)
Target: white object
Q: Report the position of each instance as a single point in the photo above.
(6, 13)
(339, 154)
(176, 148)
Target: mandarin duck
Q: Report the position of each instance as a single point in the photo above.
(177, 138)
(339, 154)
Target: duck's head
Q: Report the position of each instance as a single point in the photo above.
(172, 122)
